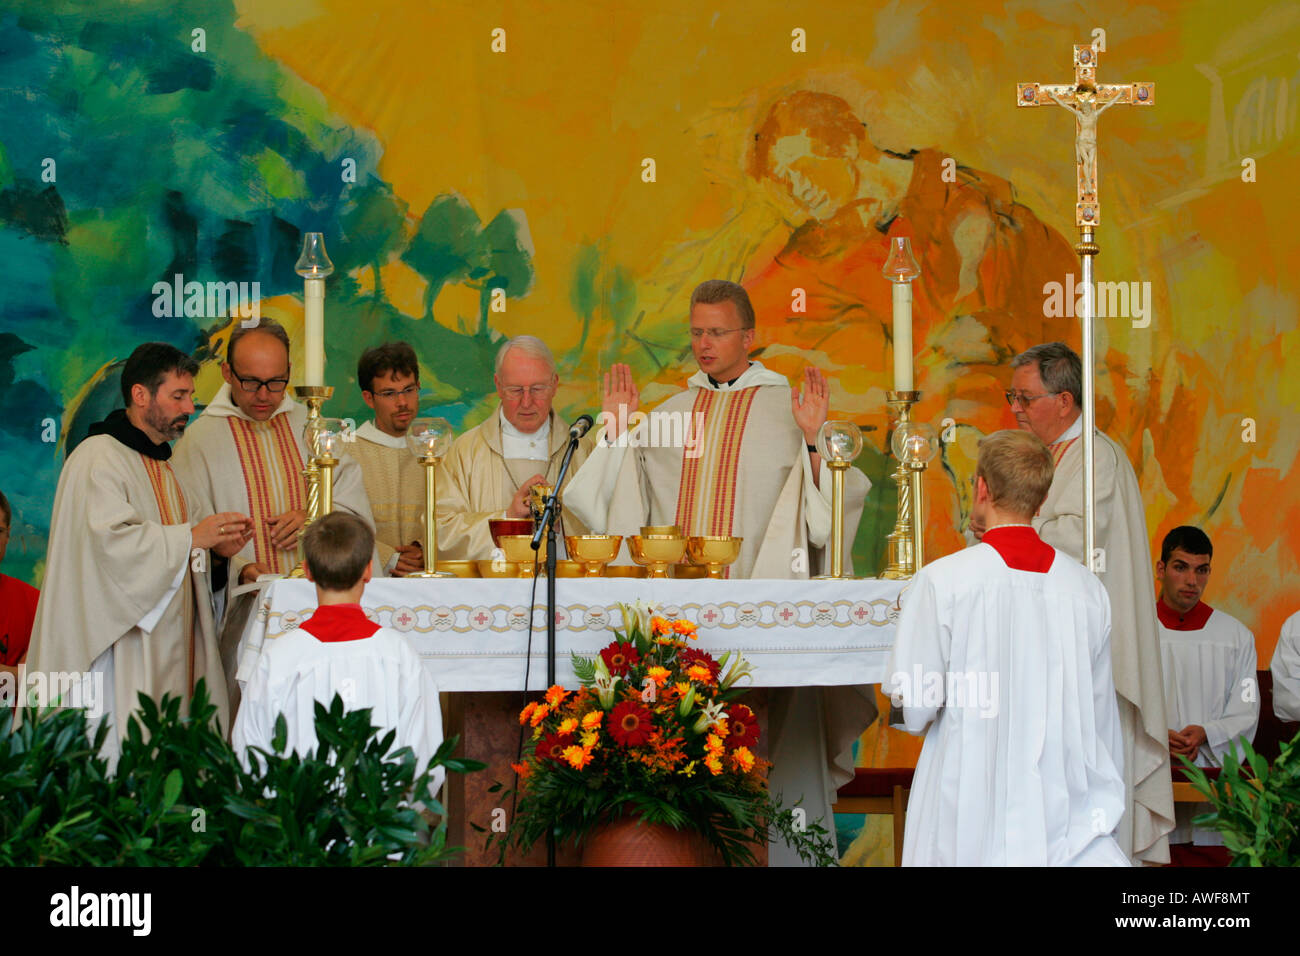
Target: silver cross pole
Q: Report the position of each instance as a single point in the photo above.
(1087, 101)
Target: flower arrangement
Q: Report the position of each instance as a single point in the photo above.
(652, 732)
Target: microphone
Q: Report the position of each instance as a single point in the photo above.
(581, 426)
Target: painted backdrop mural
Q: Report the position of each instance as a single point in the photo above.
(482, 170)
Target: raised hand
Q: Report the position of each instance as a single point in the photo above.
(811, 404)
(620, 398)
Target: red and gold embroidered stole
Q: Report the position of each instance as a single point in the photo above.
(272, 467)
(172, 509)
(706, 498)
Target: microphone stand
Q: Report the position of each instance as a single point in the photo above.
(547, 526)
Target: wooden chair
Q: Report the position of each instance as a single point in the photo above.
(879, 790)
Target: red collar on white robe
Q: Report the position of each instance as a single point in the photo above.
(339, 622)
(1193, 620)
(1020, 548)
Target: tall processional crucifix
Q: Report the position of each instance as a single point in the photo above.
(1087, 100)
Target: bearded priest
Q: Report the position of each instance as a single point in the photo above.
(126, 600)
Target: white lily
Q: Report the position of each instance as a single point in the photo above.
(740, 668)
(605, 684)
(710, 714)
(688, 702)
(636, 616)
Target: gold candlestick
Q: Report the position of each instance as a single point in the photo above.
(429, 439)
(902, 541)
(314, 396)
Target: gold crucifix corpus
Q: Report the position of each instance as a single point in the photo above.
(1087, 101)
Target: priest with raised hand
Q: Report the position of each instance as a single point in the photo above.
(389, 377)
(491, 468)
(246, 453)
(127, 600)
(1002, 661)
(740, 461)
(1046, 396)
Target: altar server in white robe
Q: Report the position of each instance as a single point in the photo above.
(126, 598)
(1045, 394)
(733, 454)
(1208, 657)
(492, 467)
(1286, 670)
(1002, 661)
(246, 453)
(338, 650)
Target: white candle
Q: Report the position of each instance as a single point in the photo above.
(314, 345)
(902, 336)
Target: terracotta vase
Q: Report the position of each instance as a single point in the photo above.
(628, 842)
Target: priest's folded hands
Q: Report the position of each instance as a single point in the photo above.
(225, 533)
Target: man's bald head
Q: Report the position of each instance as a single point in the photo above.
(257, 357)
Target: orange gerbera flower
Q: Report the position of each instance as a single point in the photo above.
(686, 628)
(743, 759)
(555, 695)
(659, 675)
(591, 720)
(568, 725)
(540, 714)
(521, 769)
(659, 626)
(714, 746)
(700, 673)
(527, 712)
(714, 763)
(681, 689)
(578, 757)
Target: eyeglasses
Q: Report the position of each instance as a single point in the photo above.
(1024, 398)
(516, 392)
(713, 333)
(389, 394)
(275, 386)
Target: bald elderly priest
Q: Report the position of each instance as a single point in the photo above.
(492, 467)
(126, 592)
(738, 461)
(1046, 392)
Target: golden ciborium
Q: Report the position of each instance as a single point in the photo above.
(518, 550)
(714, 551)
(497, 568)
(655, 552)
(594, 551)
(429, 439)
(838, 443)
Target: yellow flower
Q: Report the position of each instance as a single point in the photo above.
(714, 745)
(689, 769)
(714, 763)
(659, 675)
(720, 728)
(568, 725)
(540, 714)
(589, 740)
(555, 695)
(743, 759)
(681, 688)
(591, 720)
(578, 757)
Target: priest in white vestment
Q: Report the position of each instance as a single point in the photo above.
(246, 453)
(389, 377)
(1002, 661)
(1286, 670)
(733, 454)
(492, 467)
(338, 650)
(1208, 658)
(127, 601)
(1046, 392)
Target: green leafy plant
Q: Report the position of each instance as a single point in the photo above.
(181, 797)
(1256, 807)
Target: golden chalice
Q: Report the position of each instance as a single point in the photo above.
(519, 550)
(714, 551)
(498, 568)
(656, 551)
(661, 531)
(462, 569)
(593, 550)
